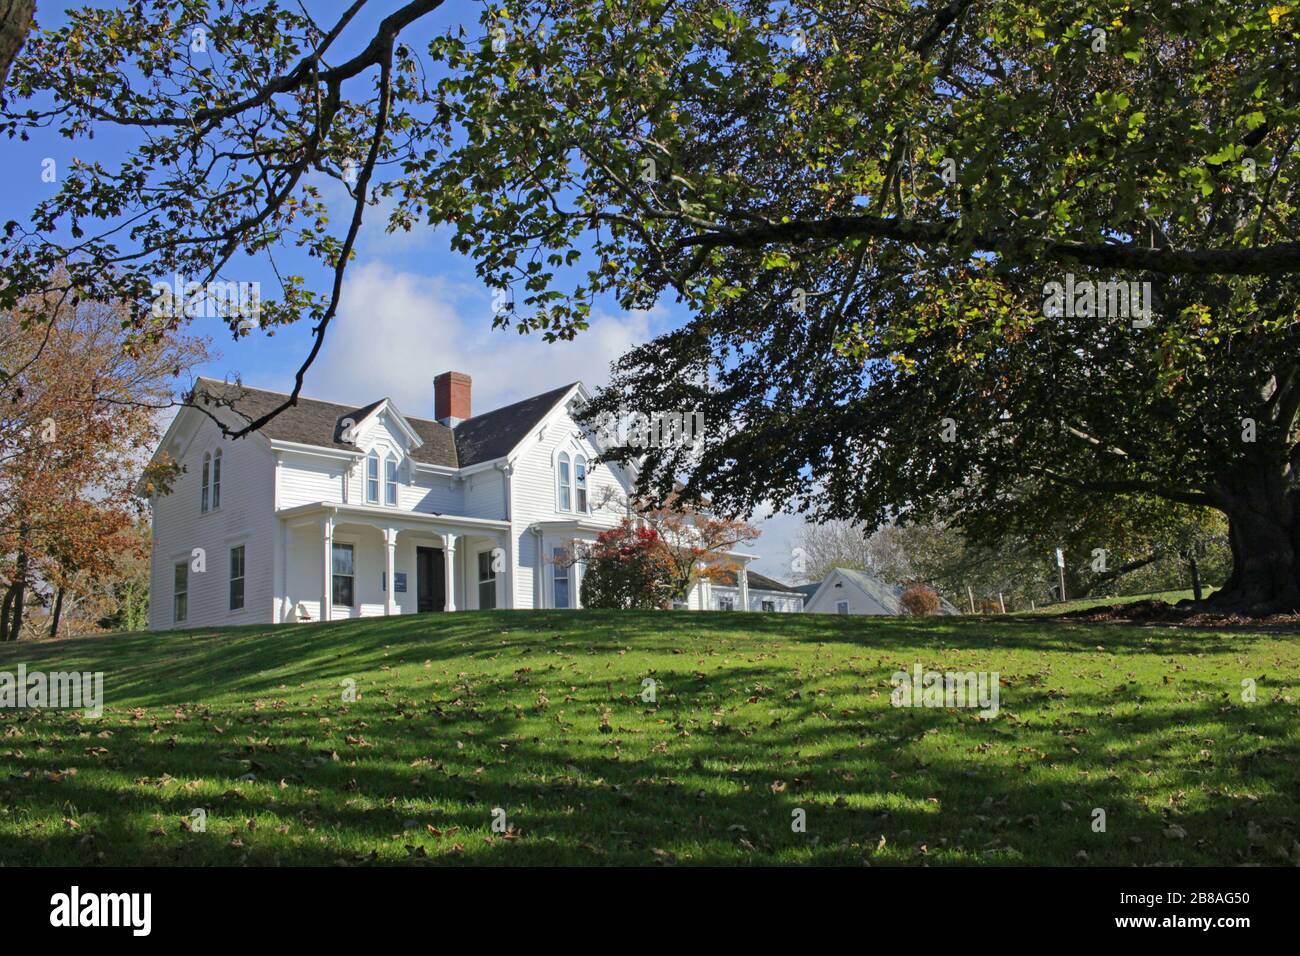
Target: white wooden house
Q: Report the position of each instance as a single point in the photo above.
(332, 512)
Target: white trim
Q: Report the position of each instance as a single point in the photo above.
(322, 451)
(385, 517)
(534, 435)
(386, 404)
(436, 469)
(463, 473)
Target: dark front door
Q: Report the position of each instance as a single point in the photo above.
(430, 580)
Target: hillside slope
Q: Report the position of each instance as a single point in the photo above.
(756, 717)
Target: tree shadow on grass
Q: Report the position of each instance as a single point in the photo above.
(161, 666)
(706, 776)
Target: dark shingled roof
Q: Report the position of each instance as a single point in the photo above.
(759, 582)
(313, 422)
(492, 434)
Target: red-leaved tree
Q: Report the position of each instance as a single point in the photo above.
(627, 567)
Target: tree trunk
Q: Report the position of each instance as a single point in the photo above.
(13, 600)
(15, 24)
(19, 588)
(4, 611)
(1196, 577)
(1264, 532)
(56, 614)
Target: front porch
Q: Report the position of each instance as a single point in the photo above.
(339, 561)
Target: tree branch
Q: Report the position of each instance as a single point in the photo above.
(1275, 259)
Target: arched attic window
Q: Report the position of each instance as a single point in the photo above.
(565, 491)
(372, 478)
(580, 483)
(205, 481)
(390, 480)
(216, 480)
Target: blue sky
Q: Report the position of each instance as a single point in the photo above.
(411, 308)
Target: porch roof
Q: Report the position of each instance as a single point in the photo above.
(382, 517)
(572, 525)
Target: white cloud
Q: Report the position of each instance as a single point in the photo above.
(396, 330)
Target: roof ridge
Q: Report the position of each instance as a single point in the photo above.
(304, 398)
(409, 418)
(530, 398)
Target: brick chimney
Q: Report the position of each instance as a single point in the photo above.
(451, 398)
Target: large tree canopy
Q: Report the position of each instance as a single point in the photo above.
(862, 207)
(865, 206)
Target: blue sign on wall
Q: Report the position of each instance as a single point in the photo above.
(399, 582)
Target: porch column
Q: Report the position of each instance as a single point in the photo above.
(506, 580)
(743, 575)
(390, 601)
(327, 583)
(449, 562)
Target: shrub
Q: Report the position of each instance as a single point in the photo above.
(920, 601)
(627, 567)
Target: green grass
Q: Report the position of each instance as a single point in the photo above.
(1083, 604)
(757, 716)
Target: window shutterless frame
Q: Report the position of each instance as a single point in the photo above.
(487, 581)
(580, 483)
(559, 556)
(565, 491)
(205, 482)
(372, 478)
(180, 591)
(390, 480)
(216, 480)
(344, 583)
(237, 578)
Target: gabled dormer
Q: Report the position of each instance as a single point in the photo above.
(386, 442)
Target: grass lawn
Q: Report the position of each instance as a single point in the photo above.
(1083, 604)
(539, 713)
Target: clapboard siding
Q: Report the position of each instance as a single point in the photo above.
(306, 479)
(430, 492)
(245, 517)
(533, 499)
(785, 602)
(484, 495)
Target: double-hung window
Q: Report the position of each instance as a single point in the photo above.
(344, 575)
(372, 478)
(237, 578)
(390, 480)
(205, 482)
(560, 558)
(216, 480)
(580, 483)
(566, 492)
(180, 592)
(487, 581)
